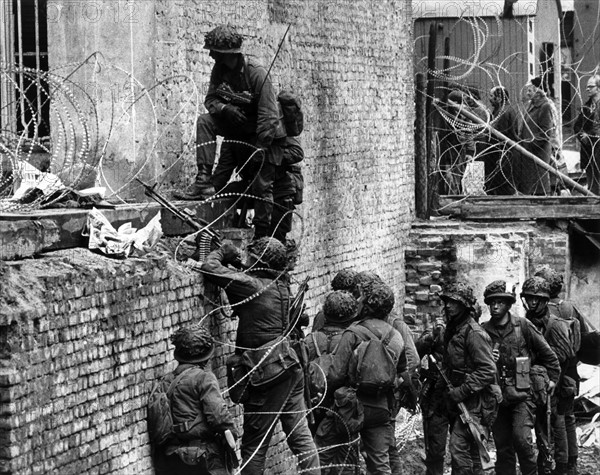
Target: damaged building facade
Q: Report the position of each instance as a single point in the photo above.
(84, 336)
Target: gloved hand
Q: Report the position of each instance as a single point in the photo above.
(455, 395)
(234, 115)
(231, 254)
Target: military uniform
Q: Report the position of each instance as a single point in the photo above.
(261, 299)
(338, 449)
(376, 432)
(514, 424)
(433, 406)
(470, 368)
(567, 311)
(200, 414)
(556, 331)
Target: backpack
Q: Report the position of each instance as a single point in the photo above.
(291, 109)
(373, 364)
(159, 418)
(574, 325)
(319, 367)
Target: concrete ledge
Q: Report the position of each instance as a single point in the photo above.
(27, 234)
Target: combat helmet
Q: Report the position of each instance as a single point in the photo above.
(380, 298)
(344, 280)
(536, 286)
(223, 39)
(497, 289)
(270, 252)
(193, 344)
(460, 292)
(554, 279)
(340, 307)
(364, 281)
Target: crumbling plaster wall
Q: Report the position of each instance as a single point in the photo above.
(476, 253)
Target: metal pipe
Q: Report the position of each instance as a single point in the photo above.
(38, 71)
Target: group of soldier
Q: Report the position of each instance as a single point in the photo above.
(503, 379)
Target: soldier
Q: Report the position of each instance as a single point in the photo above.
(343, 280)
(536, 295)
(515, 339)
(433, 407)
(242, 107)
(200, 414)
(469, 365)
(335, 443)
(567, 311)
(261, 297)
(373, 307)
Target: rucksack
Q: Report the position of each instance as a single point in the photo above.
(291, 109)
(319, 367)
(574, 325)
(373, 364)
(159, 418)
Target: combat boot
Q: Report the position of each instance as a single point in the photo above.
(202, 187)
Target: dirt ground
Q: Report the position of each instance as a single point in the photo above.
(412, 452)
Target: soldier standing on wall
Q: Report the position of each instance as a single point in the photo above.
(557, 332)
(517, 343)
(242, 106)
(469, 366)
(271, 381)
(567, 311)
(198, 410)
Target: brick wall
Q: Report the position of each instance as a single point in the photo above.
(82, 337)
(350, 62)
(439, 253)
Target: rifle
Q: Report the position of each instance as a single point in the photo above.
(474, 427)
(296, 308)
(205, 238)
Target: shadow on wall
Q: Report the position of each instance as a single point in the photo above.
(585, 274)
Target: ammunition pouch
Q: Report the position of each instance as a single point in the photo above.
(491, 397)
(237, 379)
(539, 385)
(522, 369)
(271, 363)
(568, 387)
(511, 394)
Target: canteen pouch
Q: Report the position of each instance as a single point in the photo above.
(271, 363)
(522, 369)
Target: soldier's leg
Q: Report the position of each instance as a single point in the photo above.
(207, 129)
(295, 426)
(338, 450)
(506, 461)
(523, 421)
(261, 413)
(461, 449)
(262, 188)
(559, 436)
(376, 440)
(281, 218)
(435, 428)
(571, 426)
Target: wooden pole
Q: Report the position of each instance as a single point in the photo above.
(421, 199)
(432, 204)
(538, 161)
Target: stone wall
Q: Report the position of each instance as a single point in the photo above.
(477, 253)
(82, 338)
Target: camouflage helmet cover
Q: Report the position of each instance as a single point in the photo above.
(536, 286)
(497, 289)
(380, 298)
(344, 280)
(554, 279)
(340, 307)
(364, 281)
(193, 344)
(223, 39)
(459, 292)
(270, 252)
